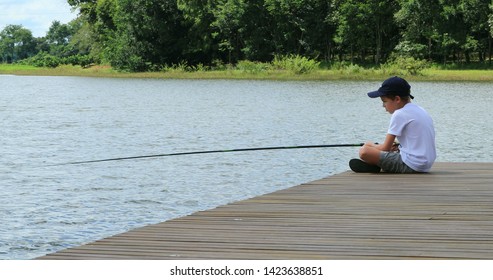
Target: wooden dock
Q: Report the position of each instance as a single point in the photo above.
(446, 214)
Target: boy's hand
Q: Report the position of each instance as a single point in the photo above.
(395, 147)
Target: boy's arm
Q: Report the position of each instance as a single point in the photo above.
(387, 144)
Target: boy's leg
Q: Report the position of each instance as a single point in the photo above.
(392, 163)
(370, 154)
(370, 157)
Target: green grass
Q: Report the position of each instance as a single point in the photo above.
(13, 68)
(348, 73)
(457, 75)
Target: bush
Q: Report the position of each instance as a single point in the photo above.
(42, 59)
(296, 64)
(410, 49)
(252, 66)
(218, 65)
(180, 67)
(407, 65)
(82, 60)
(353, 69)
(339, 65)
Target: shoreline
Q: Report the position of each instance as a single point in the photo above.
(432, 75)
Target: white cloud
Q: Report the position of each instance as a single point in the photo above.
(35, 15)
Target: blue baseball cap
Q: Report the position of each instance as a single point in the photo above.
(393, 86)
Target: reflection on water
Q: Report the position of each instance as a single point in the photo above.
(51, 120)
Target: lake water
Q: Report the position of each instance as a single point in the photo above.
(52, 120)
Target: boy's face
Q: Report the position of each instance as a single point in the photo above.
(391, 105)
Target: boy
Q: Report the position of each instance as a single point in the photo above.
(410, 125)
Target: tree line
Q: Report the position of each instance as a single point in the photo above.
(141, 35)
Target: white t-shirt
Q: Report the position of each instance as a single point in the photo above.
(413, 128)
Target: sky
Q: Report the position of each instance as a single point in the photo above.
(35, 15)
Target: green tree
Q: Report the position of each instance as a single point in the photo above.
(228, 15)
(227, 30)
(132, 35)
(58, 38)
(16, 43)
(148, 34)
(86, 8)
(301, 26)
(420, 21)
(256, 32)
(93, 26)
(444, 30)
(58, 34)
(490, 29)
(198, 17)
(84, 40)
(368, 27)
(479, 38)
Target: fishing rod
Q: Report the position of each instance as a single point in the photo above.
(213, 151)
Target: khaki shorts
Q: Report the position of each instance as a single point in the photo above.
(392, 162)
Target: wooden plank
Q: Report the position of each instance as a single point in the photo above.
(446, 214)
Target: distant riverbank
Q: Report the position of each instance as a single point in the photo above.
(343, 74)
